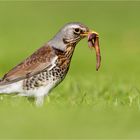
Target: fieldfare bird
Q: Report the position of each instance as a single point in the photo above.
(48, 66)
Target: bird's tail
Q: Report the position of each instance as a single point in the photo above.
(11, 88)
(5, 89)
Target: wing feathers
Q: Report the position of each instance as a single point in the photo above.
(37, 62)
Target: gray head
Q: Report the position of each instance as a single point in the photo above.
(71, 33)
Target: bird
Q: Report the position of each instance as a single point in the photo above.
(47, 67)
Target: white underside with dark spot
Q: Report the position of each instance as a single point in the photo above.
(39, 93)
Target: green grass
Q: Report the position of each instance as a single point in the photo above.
(87, 104)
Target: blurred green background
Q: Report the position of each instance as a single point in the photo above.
(88, 104)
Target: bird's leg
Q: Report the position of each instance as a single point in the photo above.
(39, 100)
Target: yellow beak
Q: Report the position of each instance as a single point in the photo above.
(90, 32)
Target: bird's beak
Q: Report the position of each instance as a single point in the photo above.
(93, 41)
(86, 34)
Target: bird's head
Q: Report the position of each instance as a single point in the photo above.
(71, 33)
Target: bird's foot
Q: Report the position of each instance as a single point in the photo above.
(39, 101)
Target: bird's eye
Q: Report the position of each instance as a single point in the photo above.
(77, 30)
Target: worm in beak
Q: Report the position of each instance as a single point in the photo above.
(93, 41)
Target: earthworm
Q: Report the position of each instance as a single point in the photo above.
(95, 44)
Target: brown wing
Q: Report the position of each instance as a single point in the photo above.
(37, 62)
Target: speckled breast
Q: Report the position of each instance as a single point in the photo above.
(55, 75)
